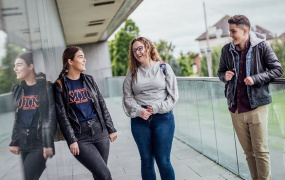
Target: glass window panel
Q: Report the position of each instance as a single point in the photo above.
(224, 128)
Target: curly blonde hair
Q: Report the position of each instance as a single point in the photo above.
(134, 64)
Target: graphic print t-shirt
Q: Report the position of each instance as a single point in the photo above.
(28, 108)
(80, 100)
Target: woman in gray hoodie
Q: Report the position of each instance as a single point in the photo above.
(149, 94)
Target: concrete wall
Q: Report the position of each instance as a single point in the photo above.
(52, 40)
(98, 63)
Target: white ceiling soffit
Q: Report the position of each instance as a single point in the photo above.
(14, 22)
(90, 21)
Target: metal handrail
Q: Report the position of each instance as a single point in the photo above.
(215, 79)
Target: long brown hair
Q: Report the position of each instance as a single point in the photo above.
(68, 53)
(134, 64)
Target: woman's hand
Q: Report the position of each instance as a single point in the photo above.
(145, 114)
(150, 109)
(74, 149)
(48, 152)
(14, 149)
(113, 137)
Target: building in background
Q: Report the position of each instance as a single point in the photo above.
(219, 34)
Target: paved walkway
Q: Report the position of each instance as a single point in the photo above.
(124, 161)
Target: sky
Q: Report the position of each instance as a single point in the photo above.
(182, 21)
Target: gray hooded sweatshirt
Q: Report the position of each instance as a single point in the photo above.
(153, 87)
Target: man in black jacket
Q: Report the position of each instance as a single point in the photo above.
(247, 65)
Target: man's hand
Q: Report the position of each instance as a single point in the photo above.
(14, 149)
(74, 149)
(145, 114)
(229, 75)
(113, 137)
(48, 152)
(248, 81)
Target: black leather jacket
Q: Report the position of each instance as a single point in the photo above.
(67, 119)
(264, 67)
(46, 127)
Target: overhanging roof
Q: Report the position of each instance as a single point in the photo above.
(83, 21)
(91, 21)
(14, 22)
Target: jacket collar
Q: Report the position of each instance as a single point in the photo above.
(40, 80)
(254, 37)
(63, 76)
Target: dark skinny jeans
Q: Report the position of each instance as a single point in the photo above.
(94, 148)
(154, 140)
(31, 150)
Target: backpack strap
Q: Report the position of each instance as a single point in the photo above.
(163, 67)
(60, 83)
(58, 135)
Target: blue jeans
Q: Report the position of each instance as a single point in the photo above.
(94, 148)
(154, 140)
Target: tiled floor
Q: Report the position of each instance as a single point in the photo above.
(124, 160)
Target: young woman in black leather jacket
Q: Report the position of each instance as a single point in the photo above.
(82, 115)
(35, 120)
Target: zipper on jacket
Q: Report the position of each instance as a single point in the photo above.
(93, 101)
(40, 120)
(17, 109)
(236, 74)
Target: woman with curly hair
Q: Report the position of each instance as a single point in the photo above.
(149, 93)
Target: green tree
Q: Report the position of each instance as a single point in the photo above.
(165, 50)
(7, 74)
(204, 67)
(119, 47)
(279, 50)
(185, 62)
(216, 54)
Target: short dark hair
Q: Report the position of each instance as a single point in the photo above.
(240, 21)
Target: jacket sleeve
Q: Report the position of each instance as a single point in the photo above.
(223, 66)
(130, 106)
(172, 93)
(104, 110)
(62, 116)
(15, 132)
(49, 125)
(15, 135)
(272, 64)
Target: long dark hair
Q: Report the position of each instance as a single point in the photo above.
(68, 53)
(27, 57)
